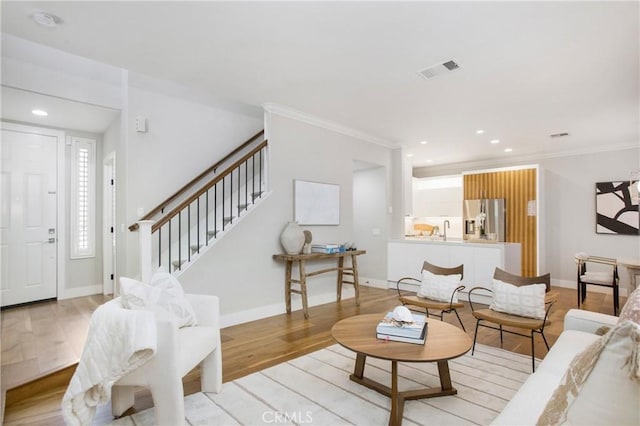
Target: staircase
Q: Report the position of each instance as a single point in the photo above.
(183, 227)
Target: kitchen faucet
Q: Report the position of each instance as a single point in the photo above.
(445, 226)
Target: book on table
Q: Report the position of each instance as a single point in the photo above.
(411, 332)
(325, 248)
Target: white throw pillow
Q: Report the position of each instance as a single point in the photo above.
(439, 287)
(525, 301)
(164, 297)
(602, 384)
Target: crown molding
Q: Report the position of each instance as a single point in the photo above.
(285, 111)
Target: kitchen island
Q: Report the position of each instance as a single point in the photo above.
(406, 256)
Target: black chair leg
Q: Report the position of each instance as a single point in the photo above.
(500, 335)
(545, 340)
(579, 293)
(475, 336)
(461, 324)
(616, 301)
(533, 353)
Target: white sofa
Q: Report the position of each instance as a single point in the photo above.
(530, 401)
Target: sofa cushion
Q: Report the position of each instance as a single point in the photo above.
(530, 400)
(569, 344)
(526, 301)
(439, 287)
(602, 384)
(631, 309)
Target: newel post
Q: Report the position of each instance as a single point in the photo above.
(144, 228)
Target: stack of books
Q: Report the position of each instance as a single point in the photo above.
(413, 332)
(326, 248)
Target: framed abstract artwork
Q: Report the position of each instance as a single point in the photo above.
(616, 208)
(316, 203)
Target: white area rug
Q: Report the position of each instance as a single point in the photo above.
(315, 390)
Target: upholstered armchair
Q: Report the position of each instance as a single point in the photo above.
(178, 351)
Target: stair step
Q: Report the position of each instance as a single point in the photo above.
(228, 219)
(178, 263)
(213, 233)
(242, 206)
(195, 247)
(257, 195)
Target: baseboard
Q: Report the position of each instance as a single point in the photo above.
(373, 282)
(227, 320)
(89, 290)
(591, 288)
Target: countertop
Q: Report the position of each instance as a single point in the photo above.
(450, 241)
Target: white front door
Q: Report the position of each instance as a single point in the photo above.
(28, 225)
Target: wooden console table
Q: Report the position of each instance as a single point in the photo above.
(301, 259)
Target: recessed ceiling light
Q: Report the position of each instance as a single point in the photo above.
(46, 19)
(495, 141)
(508, 150)
(423, 142)
(409, 155)
(40, 112)
(479, 131)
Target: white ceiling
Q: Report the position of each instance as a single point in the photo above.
(529, 69)
(17, 105)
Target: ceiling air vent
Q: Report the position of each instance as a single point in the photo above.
(439, 69)
(559, 135)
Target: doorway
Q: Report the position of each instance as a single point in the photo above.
(108, 225)
(32, 199)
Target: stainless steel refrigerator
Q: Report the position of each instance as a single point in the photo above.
(484, 219)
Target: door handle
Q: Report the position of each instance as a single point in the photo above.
(50, 240)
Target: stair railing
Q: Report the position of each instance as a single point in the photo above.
(180, 192)
(202, 216)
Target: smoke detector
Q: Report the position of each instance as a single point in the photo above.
(439, 69)
(46, 19)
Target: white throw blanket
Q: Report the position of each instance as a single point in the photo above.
(118, 341)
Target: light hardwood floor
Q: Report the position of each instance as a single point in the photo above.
(246, 348)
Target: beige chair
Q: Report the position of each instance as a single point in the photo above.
(179, 350)
(502, 319)
(414, 301)
(607, 276)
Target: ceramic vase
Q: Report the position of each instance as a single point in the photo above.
(292, 238)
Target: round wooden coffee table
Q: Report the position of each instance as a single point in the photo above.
(444, 342)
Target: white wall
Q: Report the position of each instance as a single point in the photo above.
(240, 268)
(370, 223)
(569, 203)
(42, 69)
(183, 139)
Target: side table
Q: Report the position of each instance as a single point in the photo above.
(301, 259)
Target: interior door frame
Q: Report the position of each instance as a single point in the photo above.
(61, 199)
(109, 257)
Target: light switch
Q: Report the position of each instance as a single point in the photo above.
(141, 124)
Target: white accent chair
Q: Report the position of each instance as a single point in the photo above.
(179, 350)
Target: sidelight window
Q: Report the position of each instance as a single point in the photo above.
(83, 198)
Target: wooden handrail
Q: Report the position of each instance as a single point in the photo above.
(193, 181)
(166, 218)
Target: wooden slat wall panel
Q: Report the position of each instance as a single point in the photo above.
(517, 187)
